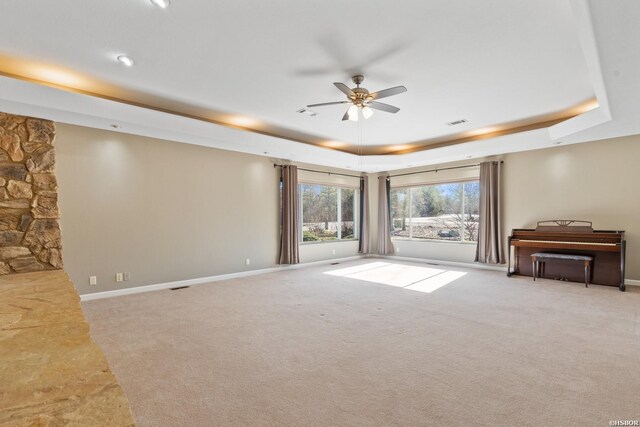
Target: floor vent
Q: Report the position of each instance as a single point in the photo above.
(178, 288)
(457, 122)
(335, 263)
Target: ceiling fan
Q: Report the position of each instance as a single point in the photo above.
(362, 100)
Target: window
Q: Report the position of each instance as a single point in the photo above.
(327, 213)
(448, 211)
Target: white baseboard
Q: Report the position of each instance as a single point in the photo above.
(632, 282)
(629, 282)
(204, 280)
(210, 279)
(448, 263)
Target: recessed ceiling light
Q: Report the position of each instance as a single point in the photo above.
(163, 4)
(242, 121)
(124, 59)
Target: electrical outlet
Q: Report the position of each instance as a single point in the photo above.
(127, 276)
(119, 277)
(93, 280)
(397, 250)
(333, 251)
(247, 261)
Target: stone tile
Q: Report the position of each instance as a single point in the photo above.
(10, 237)
(13, 170)
(13, 252)
(19, 189)
(25, 264)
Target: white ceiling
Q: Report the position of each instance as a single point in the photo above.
(488, 61)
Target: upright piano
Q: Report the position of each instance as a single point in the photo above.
(607, 248)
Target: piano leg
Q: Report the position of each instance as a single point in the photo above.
(587, 273)
(534, 267)
(509, 273)
(623, 251)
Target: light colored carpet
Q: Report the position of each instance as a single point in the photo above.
(391, 345)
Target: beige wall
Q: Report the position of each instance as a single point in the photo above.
(166, 211)
(595, 181)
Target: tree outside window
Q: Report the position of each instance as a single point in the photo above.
(448, 211)
(327, 213)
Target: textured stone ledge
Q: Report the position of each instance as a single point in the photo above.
(51, 371)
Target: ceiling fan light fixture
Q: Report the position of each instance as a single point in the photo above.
(353, 113)
(362, 99)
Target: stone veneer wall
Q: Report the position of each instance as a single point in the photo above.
(30, 238)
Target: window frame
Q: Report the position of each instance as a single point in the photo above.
(356, 213)
(408, 187)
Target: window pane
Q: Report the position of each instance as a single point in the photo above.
(347, 200)
(437, 211)
(400, 212)
(319, 212)
(471, 210)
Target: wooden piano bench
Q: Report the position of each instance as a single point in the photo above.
(538, 260)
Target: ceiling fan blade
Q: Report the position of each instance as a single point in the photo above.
(388, 92)
(344, 89)
(327, 103)
(346, 116)
(383, 107)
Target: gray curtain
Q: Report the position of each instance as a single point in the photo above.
(489, 249)
(364, 246)
(385, 246)
(289, 217)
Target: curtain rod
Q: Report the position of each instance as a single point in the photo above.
(275, 165)
(439, 169)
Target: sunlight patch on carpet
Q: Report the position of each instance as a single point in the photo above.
(414, 278)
